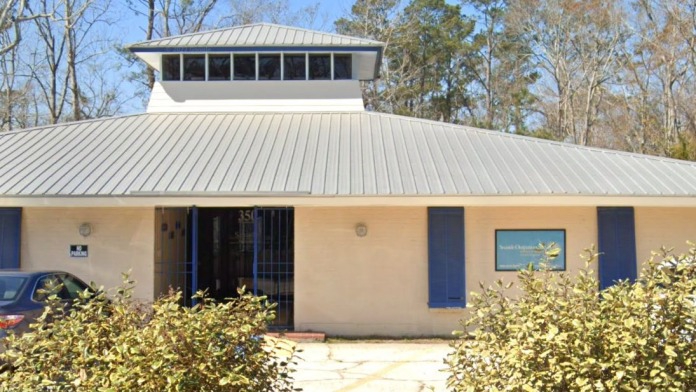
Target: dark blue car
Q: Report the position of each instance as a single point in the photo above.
(22, 296)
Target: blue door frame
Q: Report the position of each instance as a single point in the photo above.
(194, 251)
(10, 237)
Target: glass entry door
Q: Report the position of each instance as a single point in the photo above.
(225, 251)
(245, 247)
(274, 261)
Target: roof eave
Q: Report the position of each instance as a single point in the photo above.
(258, 48)
(300, 199)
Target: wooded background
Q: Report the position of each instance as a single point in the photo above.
(614, 74)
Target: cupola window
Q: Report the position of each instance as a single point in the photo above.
(244, 67)
(343, 66)
(295, 67)
(219, 67)
(269, 67)
(319, 66)
(194, 67)
(171, 67)
(257, 66)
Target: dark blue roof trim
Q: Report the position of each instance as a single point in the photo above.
(257, 49)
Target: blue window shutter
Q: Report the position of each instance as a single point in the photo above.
(616, 245)
(446, 274)
(10, 231)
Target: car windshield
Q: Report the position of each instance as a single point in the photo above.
(10, 287)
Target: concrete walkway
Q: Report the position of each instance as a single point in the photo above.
(360, 366)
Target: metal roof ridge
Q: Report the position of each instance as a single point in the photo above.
(501, 134)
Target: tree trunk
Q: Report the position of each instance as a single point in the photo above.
(148, 36)
(489, 77)
(71, 60)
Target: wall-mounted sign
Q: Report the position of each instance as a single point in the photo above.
(78, 251)
(516, 249)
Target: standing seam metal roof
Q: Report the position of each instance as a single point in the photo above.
(356, 154)
(256, 35)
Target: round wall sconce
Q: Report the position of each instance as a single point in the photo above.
(361, 230)
(85, 229)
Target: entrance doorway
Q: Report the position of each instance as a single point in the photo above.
(222, 249)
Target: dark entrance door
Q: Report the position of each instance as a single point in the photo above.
(250, 247)
(225, 250)
(10, 231)
(222, 249)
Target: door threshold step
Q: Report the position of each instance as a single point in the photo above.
(299, 336)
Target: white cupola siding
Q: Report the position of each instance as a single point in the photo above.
(259, 68)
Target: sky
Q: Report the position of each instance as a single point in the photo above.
(131, 27)
(329, 11)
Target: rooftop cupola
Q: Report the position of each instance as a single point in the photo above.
(259, 68)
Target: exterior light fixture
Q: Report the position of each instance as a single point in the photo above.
(85, 229)
(361, 230)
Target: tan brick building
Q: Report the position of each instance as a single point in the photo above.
(256, 164)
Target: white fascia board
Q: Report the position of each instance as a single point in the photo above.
(259, 106)
(303, 200)
(256, 96)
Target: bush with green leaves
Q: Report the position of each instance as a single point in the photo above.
(563, 334)
(116, 344)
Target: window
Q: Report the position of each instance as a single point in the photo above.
(224, 66)
(446, 272)
(244, 67)
(294, 67)
(343, 66)
(171, 67)
(66, 287)
(219, 67)
(10, 287)
(194, 67)
(49, 285)
(319, 66)
(73, 286)
(269, 67)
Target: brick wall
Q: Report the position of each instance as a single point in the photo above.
(122, 239)
(378, 284)
(669, 227)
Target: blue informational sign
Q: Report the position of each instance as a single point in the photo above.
(516, 249)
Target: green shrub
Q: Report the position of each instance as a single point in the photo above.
(561, 334)
(119, 345)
